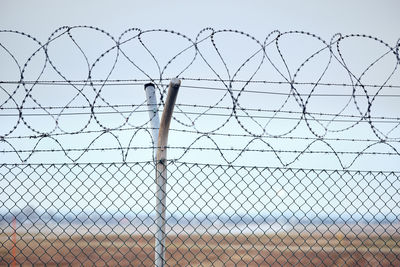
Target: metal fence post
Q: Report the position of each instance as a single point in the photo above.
(161, 172)
(153, 114)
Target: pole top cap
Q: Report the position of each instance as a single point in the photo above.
(148, 84)
(175, 82)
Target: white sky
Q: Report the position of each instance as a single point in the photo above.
(40, 18)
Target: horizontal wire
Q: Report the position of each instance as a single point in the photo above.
(200, 133)
(182, 105)
(286, 168)
(144, 81)
(243, 90)
(362, 119)
(285, 94)
(200, 149)
(196, 106)
(172, 161)
(76, 107)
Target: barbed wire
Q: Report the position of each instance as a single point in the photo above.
(138, 82)
(378, 119)
(289, 86)
(125, 150)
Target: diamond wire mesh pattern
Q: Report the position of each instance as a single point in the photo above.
(218, 215)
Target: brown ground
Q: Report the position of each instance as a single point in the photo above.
(203, 250)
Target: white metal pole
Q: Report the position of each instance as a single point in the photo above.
(153, 114)
(161, 172)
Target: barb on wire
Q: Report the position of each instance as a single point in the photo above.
(290, 89)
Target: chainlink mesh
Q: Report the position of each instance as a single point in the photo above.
(217, 215)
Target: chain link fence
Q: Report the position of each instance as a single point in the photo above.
(217, 215)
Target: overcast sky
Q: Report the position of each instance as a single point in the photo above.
(40, 18)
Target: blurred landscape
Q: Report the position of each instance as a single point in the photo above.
(107, 239)
(279, 249)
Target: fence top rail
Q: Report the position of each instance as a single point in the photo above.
(193, 164)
